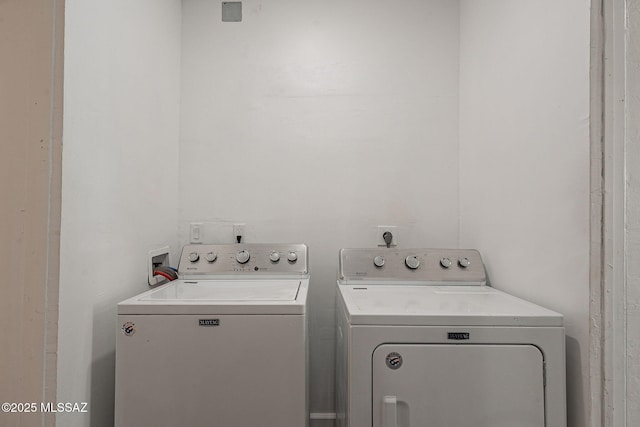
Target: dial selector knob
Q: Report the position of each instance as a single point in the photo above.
(412, 262)
(243, 256)
(211, 257)
(378, 261)
(274, 256)
(292, 257)
(193, 257)
(445, 262)
(464, 262)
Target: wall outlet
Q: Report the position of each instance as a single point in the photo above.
(196, 232)
(238, 230)
(381, 229)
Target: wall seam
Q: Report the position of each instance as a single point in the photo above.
(49, 196)
(597, 214)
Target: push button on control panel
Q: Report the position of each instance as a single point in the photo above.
(412, 262)
(445, 262)
(378, 261)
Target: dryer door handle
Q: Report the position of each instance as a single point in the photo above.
(390, 411)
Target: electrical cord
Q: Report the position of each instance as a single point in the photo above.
(168, 273)
(388, 238)
(163, 274)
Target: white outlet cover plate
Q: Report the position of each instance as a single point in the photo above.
(196, 232)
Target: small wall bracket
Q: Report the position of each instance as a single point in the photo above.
(158, 257)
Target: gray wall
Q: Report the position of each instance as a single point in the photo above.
(314, 122)
(524, 160)
(120, 180)
(30, 149)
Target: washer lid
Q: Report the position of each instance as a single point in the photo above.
(281, 296)
(441, 306)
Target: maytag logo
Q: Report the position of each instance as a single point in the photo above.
(458, 335)
(209, 322)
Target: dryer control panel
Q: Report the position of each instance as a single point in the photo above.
(412, 266)
(243, 259)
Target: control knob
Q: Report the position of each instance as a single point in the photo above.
(274, 256)
(464, 262)
(193, 257)
(292, 257)
(243, 256)
(412, 262)
(445, 262)
(378, 261)
(211, 257)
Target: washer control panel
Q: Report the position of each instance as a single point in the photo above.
(445, 266)
(249, 258)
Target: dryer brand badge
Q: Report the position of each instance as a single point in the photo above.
(458, 335)
(129, 328)
(209, 322)
(394, 360)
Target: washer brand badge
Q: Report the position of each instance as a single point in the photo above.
(209, 322)
(129, 328)
(394, 360)
(458, 335)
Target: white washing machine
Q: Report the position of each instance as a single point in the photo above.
(225, 345)
(422, 341)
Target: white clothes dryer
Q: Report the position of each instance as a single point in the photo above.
(422, 341)
(225, 345)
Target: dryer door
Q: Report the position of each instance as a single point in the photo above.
(464, 385)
